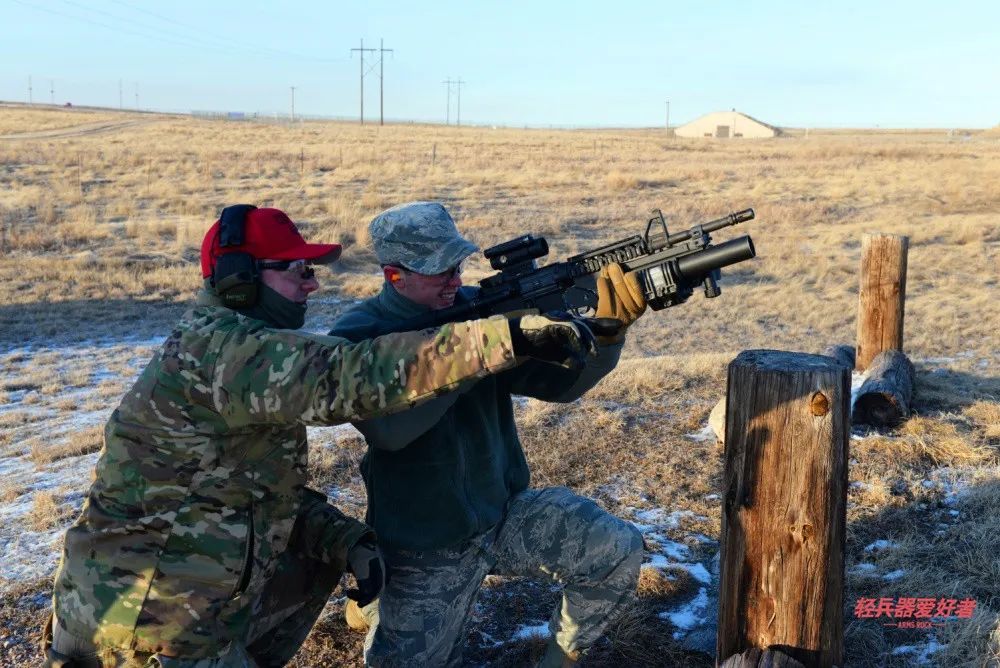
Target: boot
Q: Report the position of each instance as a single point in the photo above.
(355, 618)
(556, 657)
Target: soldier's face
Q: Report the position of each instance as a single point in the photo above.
(289, 284)
(435, 292)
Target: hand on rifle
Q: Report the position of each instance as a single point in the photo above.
(365, 563)
(619, 296)
(559, 338)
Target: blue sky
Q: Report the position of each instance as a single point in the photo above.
(805, 64)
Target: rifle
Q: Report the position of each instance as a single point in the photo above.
(670, 267)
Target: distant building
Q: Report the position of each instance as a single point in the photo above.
(726, 124)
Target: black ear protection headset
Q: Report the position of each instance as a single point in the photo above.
(236, 277)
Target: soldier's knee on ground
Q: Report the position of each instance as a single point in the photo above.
(616, 552)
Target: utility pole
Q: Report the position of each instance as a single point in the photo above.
(458, 84)
(447, 114)
(668, 114)
(381, 80)
(29, 89)
(137, 96)
(52, 91)
(362, 51)
(293, 103)
(120, 105)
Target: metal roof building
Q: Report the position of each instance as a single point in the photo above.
(726, 124)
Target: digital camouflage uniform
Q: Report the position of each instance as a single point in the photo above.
(195, 535)
(448, 494)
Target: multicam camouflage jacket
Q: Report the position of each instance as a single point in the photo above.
(204, 464)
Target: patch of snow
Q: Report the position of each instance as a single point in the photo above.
(29, 555)
(922, 652)
(863, 569)
(706, 433)
(668, 547)
(689, 615)
(334, 432)
(526, 631)
(659, 517)
(712, 497)
(857, 380)
(696, 570)
(88, 346)
(894, 575)
(881, 544)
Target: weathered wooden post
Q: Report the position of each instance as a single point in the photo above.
(784, 512)
(882, 296)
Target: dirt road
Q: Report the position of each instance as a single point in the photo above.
(101, 127)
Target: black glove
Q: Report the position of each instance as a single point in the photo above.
(365, 563)
(554, 337)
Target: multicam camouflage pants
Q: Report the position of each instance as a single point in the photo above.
(288, 609)
(548, 533)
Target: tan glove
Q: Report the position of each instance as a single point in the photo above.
(619, 295)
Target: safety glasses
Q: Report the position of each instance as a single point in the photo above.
(442, 278)
(294, 267)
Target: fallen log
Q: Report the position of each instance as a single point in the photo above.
(883, 400)
(717, 420)
(842, 353)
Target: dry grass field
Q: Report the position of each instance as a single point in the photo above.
(99, 236)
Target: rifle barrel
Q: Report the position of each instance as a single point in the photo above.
(713, 225)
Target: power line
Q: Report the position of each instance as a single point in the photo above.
(215, 37)
(158, 33)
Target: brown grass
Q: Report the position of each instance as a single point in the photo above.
(99, 237)
(42, 451)
(46, 511)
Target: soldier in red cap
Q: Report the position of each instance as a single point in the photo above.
(199, 545)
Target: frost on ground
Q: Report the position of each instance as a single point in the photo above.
(920, 654)
(695, 618)
(691, 615)
(50, 396)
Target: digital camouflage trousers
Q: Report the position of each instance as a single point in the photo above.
(551, 534)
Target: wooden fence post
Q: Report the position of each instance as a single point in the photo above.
(882, 296)
(784, 513)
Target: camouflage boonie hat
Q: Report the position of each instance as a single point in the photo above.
(419, 236)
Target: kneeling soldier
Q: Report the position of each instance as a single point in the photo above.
(199, 544)
(447, 482)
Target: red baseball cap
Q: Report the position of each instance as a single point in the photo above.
(269, 234)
